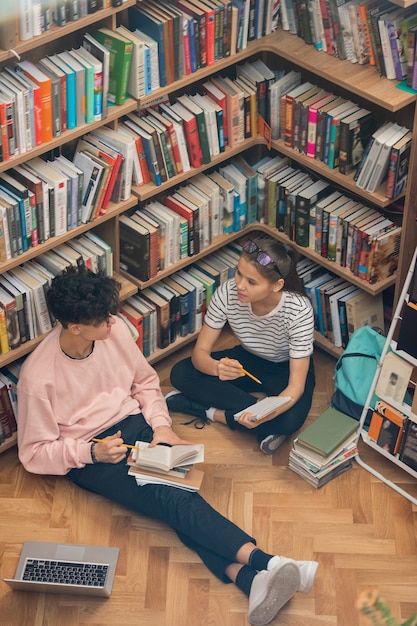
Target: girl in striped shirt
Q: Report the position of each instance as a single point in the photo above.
(273, 322)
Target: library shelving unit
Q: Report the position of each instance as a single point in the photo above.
(280, 49)
(360, 83)
(406, 409)
(54, 40)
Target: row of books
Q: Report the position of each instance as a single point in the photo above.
(325, 448)
(193, 34)
(24, 314)
(187, 220)
(364, 31)
(197, 127)
(340, 133)
(39, 101)
(175, 306)
(339, 307)
(41, 199)
(394, 431)
(26, 19)
(314, 215)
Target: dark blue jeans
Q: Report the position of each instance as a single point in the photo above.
(233, 396)
(200, 527)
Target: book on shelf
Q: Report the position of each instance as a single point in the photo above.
(398, 166)
(45, 85)
(234, 108)
(154, 243)
(140, 306)
(208, 281)
(264, 407)
(162, 313)
(165, 144)
(335, 302)
(210, 109)
(135, 318)
(364, 310)
(386, 426)
(126, 146)
(408, 450)
(355, 132)
(121, 50)
(171, 118)
(150, 60)
(191, 132)
(182, 326)
(152, 26)
(102, 54)
(173, 298)
(212, 190)
(38, 286)
(219, 97)
(94, 172)
(394, 378)
(380, 169)
(198, 296)
(171, 132)
(200, 195)
(134, 248)
(181, 279)
(383, 258)
(11, 81)
(148, 145)
(80, 85)
(69, 91)
(304, 201)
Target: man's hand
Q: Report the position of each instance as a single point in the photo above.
(165, 434)
(111, 449)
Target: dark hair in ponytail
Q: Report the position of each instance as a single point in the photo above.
(285, 259)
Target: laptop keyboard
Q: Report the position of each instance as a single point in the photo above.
(65, 572)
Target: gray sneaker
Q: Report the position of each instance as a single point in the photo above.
(270, 443)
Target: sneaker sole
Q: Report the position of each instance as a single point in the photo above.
(281, 589)
(269, 448)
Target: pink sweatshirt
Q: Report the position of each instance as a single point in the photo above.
(64, 402)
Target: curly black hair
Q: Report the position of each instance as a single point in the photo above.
(79, 296)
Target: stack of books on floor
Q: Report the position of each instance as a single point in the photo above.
(167, 465)
(325, 448)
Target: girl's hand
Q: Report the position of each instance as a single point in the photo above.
(229, 369)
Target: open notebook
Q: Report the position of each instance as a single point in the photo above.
(65, 568)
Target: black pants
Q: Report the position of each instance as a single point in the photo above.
(233, 396)
(213, 537)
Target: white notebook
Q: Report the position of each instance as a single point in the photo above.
(263, 407)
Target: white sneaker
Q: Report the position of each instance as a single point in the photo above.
(271, 590)
(307, 570)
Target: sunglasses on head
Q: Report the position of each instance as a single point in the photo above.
(262, 257)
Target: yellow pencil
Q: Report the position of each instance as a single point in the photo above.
(248, 373)
(251, 376)
(126, 445)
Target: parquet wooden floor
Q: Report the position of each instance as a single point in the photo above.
(361, 531)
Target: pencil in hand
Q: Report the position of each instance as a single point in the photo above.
(126, 445)
(242, 369)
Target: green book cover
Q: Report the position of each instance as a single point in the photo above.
(121, 50)
(327, 432)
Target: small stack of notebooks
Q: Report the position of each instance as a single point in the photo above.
(167, 465)
(325, 448)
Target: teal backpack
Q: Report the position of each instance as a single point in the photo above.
(355, 371)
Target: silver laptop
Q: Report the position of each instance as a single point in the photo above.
(65, 568)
